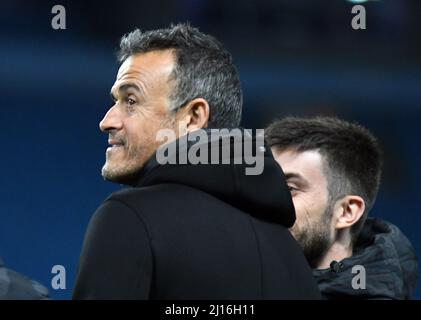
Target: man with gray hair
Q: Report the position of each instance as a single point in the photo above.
(186, 230)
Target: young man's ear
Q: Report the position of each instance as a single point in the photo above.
(348, 211)
(195, 115)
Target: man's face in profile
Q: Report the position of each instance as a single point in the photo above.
(141, 107)
(308, 185)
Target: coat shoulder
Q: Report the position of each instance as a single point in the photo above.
(16, 286)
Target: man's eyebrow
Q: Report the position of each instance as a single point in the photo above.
(126, 87)
(294, 175)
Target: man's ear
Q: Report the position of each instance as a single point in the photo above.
(195, 115)
(348, 211)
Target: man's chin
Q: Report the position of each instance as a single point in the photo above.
(119, 176)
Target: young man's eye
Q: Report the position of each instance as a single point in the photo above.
(291, 188)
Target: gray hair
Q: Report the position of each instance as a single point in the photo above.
(203, 69)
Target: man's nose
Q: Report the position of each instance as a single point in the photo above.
(111, 121)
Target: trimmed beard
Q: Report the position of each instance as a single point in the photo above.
(315, 240)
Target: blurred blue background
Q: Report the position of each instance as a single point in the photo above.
(294, 58)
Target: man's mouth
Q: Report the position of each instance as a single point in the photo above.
(114, 144)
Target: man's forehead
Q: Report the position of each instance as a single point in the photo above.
(306, 163)
(153, 63)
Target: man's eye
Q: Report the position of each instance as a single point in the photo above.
(291, 188)
(131, 101)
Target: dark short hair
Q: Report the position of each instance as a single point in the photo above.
(203, 69)
(352, 155)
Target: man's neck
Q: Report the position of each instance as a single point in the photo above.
(337, 252)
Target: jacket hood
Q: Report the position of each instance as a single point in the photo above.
(264, 195)
(390, 264)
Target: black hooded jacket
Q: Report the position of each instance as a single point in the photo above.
(196, 232)
(390, 263)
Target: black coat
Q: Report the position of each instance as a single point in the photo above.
(391, 266)
(15, 286)
(196, 232)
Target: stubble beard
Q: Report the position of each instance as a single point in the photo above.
(137, 157)
(314, 240)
